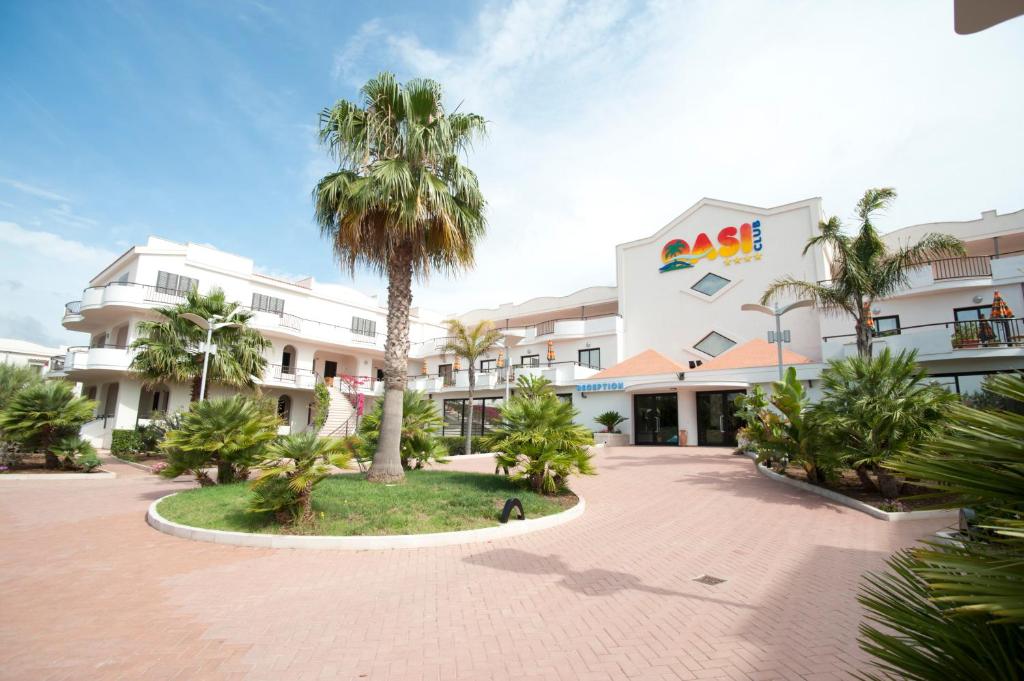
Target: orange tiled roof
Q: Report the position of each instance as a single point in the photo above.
(754, 353)
(647, 363)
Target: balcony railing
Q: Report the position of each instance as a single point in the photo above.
(290, 375)
(546, 328)
(962, 268)
(566, 370)
(57, 362)
(73, 307)
(938, 338)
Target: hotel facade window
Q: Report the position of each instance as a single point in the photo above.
(445, 372)
(714, 344)
(175, 284)
(488, 364)
(590, 357)
(364, 327)
(262, 303)
(887, 326)
(710, 284)
(530, 360)
(485, 415)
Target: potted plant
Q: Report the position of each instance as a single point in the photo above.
(965, 336)
(611, 435)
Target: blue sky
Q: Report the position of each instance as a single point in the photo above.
(195, 121)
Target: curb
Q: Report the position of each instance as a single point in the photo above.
(133, 464)
(102, 475)
(359, 542)
(936, 514)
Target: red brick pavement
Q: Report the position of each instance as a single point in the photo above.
(89, 591)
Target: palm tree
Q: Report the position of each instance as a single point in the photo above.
(168, 349)
(401, 203)
(955, 610)
(864, 268)
(290, 469)
(43, 413)
(471, 342)
(421, 425)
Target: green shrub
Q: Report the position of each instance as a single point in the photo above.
(456, 444)
(538, 438)
(290, 469)
(421, 423)
(152, 434)
(230, 433)
(323, 404)
(41, 414)
(611, 420)
(14, 379)
(125, 444)
(76, 452)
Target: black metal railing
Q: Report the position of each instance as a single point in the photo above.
(57, 362)
(73, 307)
(286, 374)
(971, 333)
(962, 268)
(546, 328)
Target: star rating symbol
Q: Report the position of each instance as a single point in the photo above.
(726, 262)
(757, 256)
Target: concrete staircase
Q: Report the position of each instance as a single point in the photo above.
(341, 418)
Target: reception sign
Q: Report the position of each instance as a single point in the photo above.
(603, 386)
(734, 245)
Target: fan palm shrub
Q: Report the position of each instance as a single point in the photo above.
(539, 441)
(76, 452)
(289, 470)
(401, 202)
(529, 385)
(472, 342)
(228, 433)
(955, 610)
(13, 379)
(786, 433)
(864, 268)
(874, 410)
(420, 443)
(168, 349)
(41, 414)
(611, 420)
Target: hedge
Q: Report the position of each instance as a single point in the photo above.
(456, 444)
(125, 443)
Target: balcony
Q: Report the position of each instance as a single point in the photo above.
(579, 327)
(355, 385)
(280, 376)
(559, 373)
(101, 358)
(940, 340)
(971, 270)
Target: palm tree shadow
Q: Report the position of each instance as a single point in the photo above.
(591, 582)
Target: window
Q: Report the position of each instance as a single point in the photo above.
(710, 284)
(488, 364)
(887, 326)
(445, 372)
(590, 357)
(714, 344)
(485, 415)
(972, 314)
(175, 284)
(970, 387)
(284, 408)
(364, 327)
(262, 303)
(530, 360)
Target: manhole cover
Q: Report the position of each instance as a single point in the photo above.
(709, 580)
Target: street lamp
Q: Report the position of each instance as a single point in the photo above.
(508, 366)
(210, 325)
(777, 312)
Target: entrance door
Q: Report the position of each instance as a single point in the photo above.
(330, 371)
(717, 422)
(656, 419)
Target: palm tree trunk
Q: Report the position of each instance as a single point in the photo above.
(196, 386)
(863, 334)
(387, 461)
(469, 416)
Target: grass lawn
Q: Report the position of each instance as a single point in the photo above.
(428, 501)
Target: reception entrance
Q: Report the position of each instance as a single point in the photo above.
(656, 419)
(717, 422)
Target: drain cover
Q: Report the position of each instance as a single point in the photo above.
(709, 580)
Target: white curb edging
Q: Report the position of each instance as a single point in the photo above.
(102, 475)
(940, 514)
(360, 543)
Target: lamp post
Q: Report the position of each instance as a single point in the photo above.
(776, 312)
(508, 366)
(210, 325)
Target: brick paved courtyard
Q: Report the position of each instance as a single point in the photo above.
(89, 591)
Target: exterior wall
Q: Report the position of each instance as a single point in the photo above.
(662, 311)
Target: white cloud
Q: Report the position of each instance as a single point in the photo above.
(607, 120)
(42, 271)
(32, 190)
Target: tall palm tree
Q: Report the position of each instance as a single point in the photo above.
(864, 268)
(401, 203)
(471, 342)
(168, 349)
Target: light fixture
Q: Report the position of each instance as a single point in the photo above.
(777, 312)
(977, 299)
(876, 311)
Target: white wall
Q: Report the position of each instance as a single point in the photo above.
(662, 312)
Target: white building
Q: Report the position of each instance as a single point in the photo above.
(669, 346)
(25, 353)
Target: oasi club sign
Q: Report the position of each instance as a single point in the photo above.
(734, 244)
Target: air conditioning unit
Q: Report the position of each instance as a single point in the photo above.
(682, 374)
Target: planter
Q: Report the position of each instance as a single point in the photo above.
(683, 437)
(611, 439)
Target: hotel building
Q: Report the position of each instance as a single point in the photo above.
(669, 346)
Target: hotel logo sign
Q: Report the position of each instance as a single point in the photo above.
(736, 245)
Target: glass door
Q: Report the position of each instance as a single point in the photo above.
(717, 422)
(656, 419)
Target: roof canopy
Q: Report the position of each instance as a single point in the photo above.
(754, 353)
(647, 363)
